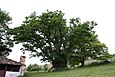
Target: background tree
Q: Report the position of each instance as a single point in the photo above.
(84, 42)
(5, 41)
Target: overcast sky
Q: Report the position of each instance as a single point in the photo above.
(100, 11)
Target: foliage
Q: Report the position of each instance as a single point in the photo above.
(58, 42)
(45, 67)
(5, 41)
(84, 42)
(47, 32)
(33, 67)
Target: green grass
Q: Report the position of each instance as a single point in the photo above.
(107, 70)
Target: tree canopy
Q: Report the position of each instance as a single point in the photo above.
(5, 41)
(59, 43)
(85, 42)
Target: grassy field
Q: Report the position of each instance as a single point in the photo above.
(107, 70)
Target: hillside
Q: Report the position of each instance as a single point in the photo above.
(107, 70)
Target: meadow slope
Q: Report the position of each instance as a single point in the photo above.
(106, 70)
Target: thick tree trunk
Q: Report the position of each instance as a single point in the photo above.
(59, 64)
(82, 63)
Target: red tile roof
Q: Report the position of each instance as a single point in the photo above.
(4, 60)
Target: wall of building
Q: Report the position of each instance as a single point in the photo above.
(12, 74)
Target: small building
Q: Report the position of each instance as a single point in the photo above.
(11, 68)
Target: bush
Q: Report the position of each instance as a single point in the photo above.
(33, 67)
(45, 67)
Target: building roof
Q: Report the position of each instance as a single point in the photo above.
(5, 60)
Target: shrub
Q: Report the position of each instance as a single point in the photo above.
(33, 67)
(45, 67)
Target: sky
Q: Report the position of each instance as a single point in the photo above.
(100, 11)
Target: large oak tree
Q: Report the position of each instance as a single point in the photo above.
(47, 32)
(59, 44)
